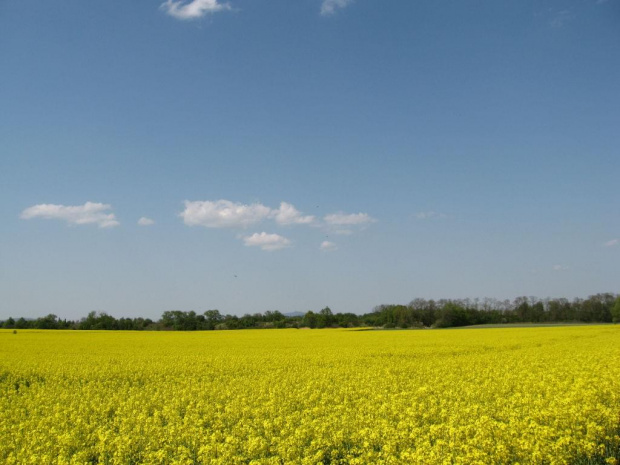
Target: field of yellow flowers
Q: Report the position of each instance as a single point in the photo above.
(517, 395)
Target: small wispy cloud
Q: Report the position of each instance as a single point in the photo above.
(328, 246)
(560, 18)
(330, 7)
(268, 242)
(89, 213)
(348, 219)
(560, 268)
(144, 221)
(430, 215)
(611, 243)
(194, 9)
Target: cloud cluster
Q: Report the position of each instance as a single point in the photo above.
(227, 214)
(194, 9)
(265, 241)
(216, 214)
(89, 213)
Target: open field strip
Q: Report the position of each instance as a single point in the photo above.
(527, 395)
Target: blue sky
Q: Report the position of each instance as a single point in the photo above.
(295, 154)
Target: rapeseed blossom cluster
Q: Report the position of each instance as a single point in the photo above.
(519, 395)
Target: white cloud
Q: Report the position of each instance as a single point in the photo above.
(329, 7)
(227, 214)
(223, 214)
(429, 215)
(327, 245)
(288, 214)
(559, 268)
(144, 221)
(343, 232)
(193, 9)
(269, 242)
(89, 213)
(611, 243)
(343, 219)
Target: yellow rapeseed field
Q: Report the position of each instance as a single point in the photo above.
(518, 395)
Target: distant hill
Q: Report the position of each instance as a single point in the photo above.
(294, 314)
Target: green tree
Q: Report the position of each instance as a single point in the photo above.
(615, 311)
(310, 319)
(212, 318)
(325, 318)
(47, 322)
(453, 314)
(522, 309)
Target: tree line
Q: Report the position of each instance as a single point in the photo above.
(419, 313)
